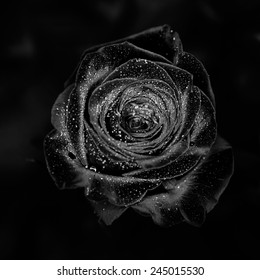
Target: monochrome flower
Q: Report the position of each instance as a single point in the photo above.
(136, 127)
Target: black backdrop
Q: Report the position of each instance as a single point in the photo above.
(41, 45)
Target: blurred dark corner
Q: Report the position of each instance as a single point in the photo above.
(41, 45)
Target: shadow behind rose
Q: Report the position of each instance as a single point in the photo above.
(135, 126)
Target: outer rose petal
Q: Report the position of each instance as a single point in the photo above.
(62, 163)
(160, 40)
(190, 197)
(191, 64)
(106, 211)
(161, 43)
(59, 112)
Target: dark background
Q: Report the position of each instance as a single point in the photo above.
(41, 45)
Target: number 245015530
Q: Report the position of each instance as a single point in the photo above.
(183, 270)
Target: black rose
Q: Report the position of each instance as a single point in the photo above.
(135, 126)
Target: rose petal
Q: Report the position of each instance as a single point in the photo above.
(194, 194)
(178, 167)
(59, 112)
(120, 191)
(189, 97)
(204, 130)
(160, 40)
(140, 69)
(208, 181)
(118, 52)
(103, 97)
(189, 103)
(170, 154)
(62, 161)
(75, 118)
(92, 70)
(163, 212)
(191, 64)
(182, 79)
(67, 172)
(106, 211)
(104, 158)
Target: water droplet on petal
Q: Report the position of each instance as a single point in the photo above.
(92, 168)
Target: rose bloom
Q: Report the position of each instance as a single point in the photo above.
(136, 127)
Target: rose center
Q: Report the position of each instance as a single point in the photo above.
(138, 118)
(137, 123)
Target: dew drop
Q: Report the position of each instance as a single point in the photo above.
(92, 168)
(87, 191)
